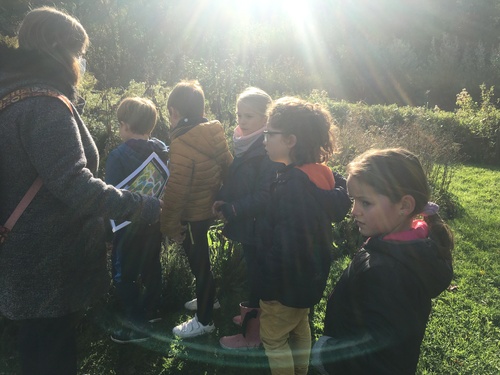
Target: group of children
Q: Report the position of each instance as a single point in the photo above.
(278, 198)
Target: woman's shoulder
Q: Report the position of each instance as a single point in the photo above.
(45, 115)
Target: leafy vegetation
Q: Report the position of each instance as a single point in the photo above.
(385, 52)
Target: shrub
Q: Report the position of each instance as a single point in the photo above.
(481, 125)
(431, 134)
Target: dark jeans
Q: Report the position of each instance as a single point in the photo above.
(196, 247)
(137, 273)
(250, 253)
(48, 346)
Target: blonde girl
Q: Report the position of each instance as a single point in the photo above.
(242, 201)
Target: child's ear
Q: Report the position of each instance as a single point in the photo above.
(173, 112)
(174, 116)
(290, 140)
(407, 204)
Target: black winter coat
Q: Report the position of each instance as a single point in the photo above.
(295, 244)
(246, 191)
(377, 313)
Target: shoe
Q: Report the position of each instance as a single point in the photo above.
(251, 337)
(153, 316)
(193, 305)
(240, 342)
(129, 335)
(237, 320)
(192, 328)
(244, 308)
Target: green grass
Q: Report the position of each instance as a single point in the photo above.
(463, 335)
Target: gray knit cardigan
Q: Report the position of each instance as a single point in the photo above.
(54, 261)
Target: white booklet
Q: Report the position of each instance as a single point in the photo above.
(150, 178)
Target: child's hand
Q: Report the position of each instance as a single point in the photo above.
(216, 210)
(179, 239)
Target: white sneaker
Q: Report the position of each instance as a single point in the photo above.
(192, 328)
(193, 304)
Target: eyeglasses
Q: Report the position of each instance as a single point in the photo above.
(267, 133)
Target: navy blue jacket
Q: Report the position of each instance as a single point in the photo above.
(295, 244)
(246, 191)
(125, 159)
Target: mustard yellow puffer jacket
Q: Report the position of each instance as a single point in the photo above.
(199, 158)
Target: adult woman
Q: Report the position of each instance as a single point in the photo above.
(54, 262)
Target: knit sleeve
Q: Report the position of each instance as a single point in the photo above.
(64, 155)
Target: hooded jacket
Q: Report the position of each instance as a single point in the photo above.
(128, 156)
(199, 159)
(295, 243)
(246, 190)
(124, 160)
(377, 313)
(54, 261)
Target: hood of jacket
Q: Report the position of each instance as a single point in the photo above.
(202, 137)
(145, 148)
(420, 257)
(334, 203)
(22, 68)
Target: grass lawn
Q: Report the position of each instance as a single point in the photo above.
(463, 335)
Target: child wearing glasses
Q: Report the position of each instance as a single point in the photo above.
(294, 250)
